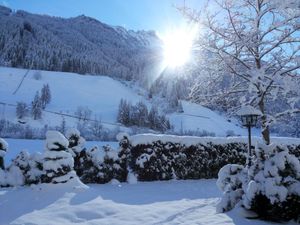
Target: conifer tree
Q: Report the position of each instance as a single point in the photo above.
(36, 107)
(45, 95)
(58, 165)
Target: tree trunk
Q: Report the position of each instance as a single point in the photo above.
(265, 128)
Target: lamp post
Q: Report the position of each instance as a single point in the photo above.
(249, 117)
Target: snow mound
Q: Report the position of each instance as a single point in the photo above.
(56, 141)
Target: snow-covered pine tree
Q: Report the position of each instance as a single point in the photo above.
(96, 128)
(45, 95)
(77, 149)
(273, 186)
(21, 110)
(36, 107)
(31, 166)
(173, 99)
(124, 154)
(139, 115)
(110, 167)
(62, 127)
(58, 163)
(153, 118)
(124, 112)
(11, 176)
(270, 186)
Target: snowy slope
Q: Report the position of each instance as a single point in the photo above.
(101, 94)
(197, 117)
(169, 202)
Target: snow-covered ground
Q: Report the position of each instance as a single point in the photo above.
(164, 202)
(100, 94)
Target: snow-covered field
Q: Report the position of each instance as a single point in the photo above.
(164, 202)
(100, 94)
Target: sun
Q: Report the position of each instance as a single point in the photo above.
(177, 46)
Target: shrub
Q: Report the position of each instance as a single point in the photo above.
(100, 165)
(21, 110)
(58, 163)
(37, 75)
(270, 186)
(273, 190)
(230, 180)
(31, 166)
(154, 157)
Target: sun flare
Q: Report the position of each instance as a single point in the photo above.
(178, 46)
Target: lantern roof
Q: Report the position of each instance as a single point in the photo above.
(248, 110)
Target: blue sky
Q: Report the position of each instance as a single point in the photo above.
(158, 15)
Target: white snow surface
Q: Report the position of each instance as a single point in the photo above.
(57, 159)
(189, 140)
(53, 138)
(102, 95)
(248, 110)
(163, 202)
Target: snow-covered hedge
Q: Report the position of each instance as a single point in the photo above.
(141, 157)
(270, 187)
(96, 165)
(163, 157)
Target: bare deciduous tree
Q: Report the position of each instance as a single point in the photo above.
(258, 42)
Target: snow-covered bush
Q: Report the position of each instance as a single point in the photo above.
(11, 176)
(76, 148)
(76, 142)
(164, 157)
(124, 154)
(31, 166)
(110, 167)
(94, 165)
(167, 160)
(273, 190)
(22, 110)
(100, 165)
(3, 149)
(230, 180)
(270, 186)
(37, 75)
(58, 163)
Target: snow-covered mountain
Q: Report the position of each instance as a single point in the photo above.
(80, 44)
(100, 94)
